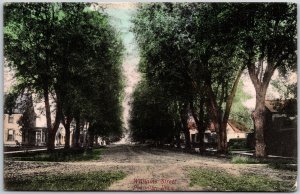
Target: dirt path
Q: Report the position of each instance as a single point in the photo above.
(158, 171)
(146, 168)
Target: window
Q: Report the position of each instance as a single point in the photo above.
(11, 135)
(38, 137)
(10, 118)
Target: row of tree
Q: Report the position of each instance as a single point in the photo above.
(192, 58)
(69, 55)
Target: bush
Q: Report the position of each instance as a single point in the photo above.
(237, 144)
(243, 160)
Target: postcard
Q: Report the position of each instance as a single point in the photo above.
(150, 96)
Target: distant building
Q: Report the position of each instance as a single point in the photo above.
(236, 130)
(11, 129)
(14, 134)
(281, 130)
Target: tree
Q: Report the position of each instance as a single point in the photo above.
(68, 52)
(157, 29)
(90, 82)
(267, 35)
(239, 112)
(286, 85)
(28, 119)
(154, 115)
(195, 66)
(29, 36)
(10, 102)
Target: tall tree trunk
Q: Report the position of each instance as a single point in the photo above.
(67, 125)
(187, 139)
(52, 134)
(199, 122)
(229, 101)
(67, 137)
(52, 129)
(177, 138)
(96, 140)
(201, 125)
(261, 82)
(47, 107)
(223, 139)
(50, 140)
(58, 116)
(91, 138)
(214, 113)
(77, 133)
(259, 119)
(184, 120)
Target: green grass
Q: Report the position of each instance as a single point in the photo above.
(283, 166)
(59, 156)
(213, 180)
(243, 160)
(91, 181)
(279, 164)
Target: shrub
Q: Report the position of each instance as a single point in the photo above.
(238, 144)
(243, 160)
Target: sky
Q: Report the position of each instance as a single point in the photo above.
(120, 15)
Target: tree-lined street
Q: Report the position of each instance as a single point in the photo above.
(150, 96)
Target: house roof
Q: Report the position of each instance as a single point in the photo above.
(288, 106)
(235, 125)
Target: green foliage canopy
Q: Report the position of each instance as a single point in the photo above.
(71, 52)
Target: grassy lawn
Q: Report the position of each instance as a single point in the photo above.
(58, 155)
(213, 180)
(279, 164)
(91, 181)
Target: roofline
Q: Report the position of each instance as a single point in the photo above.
(232, 126)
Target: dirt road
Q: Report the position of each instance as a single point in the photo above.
(147, 168)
